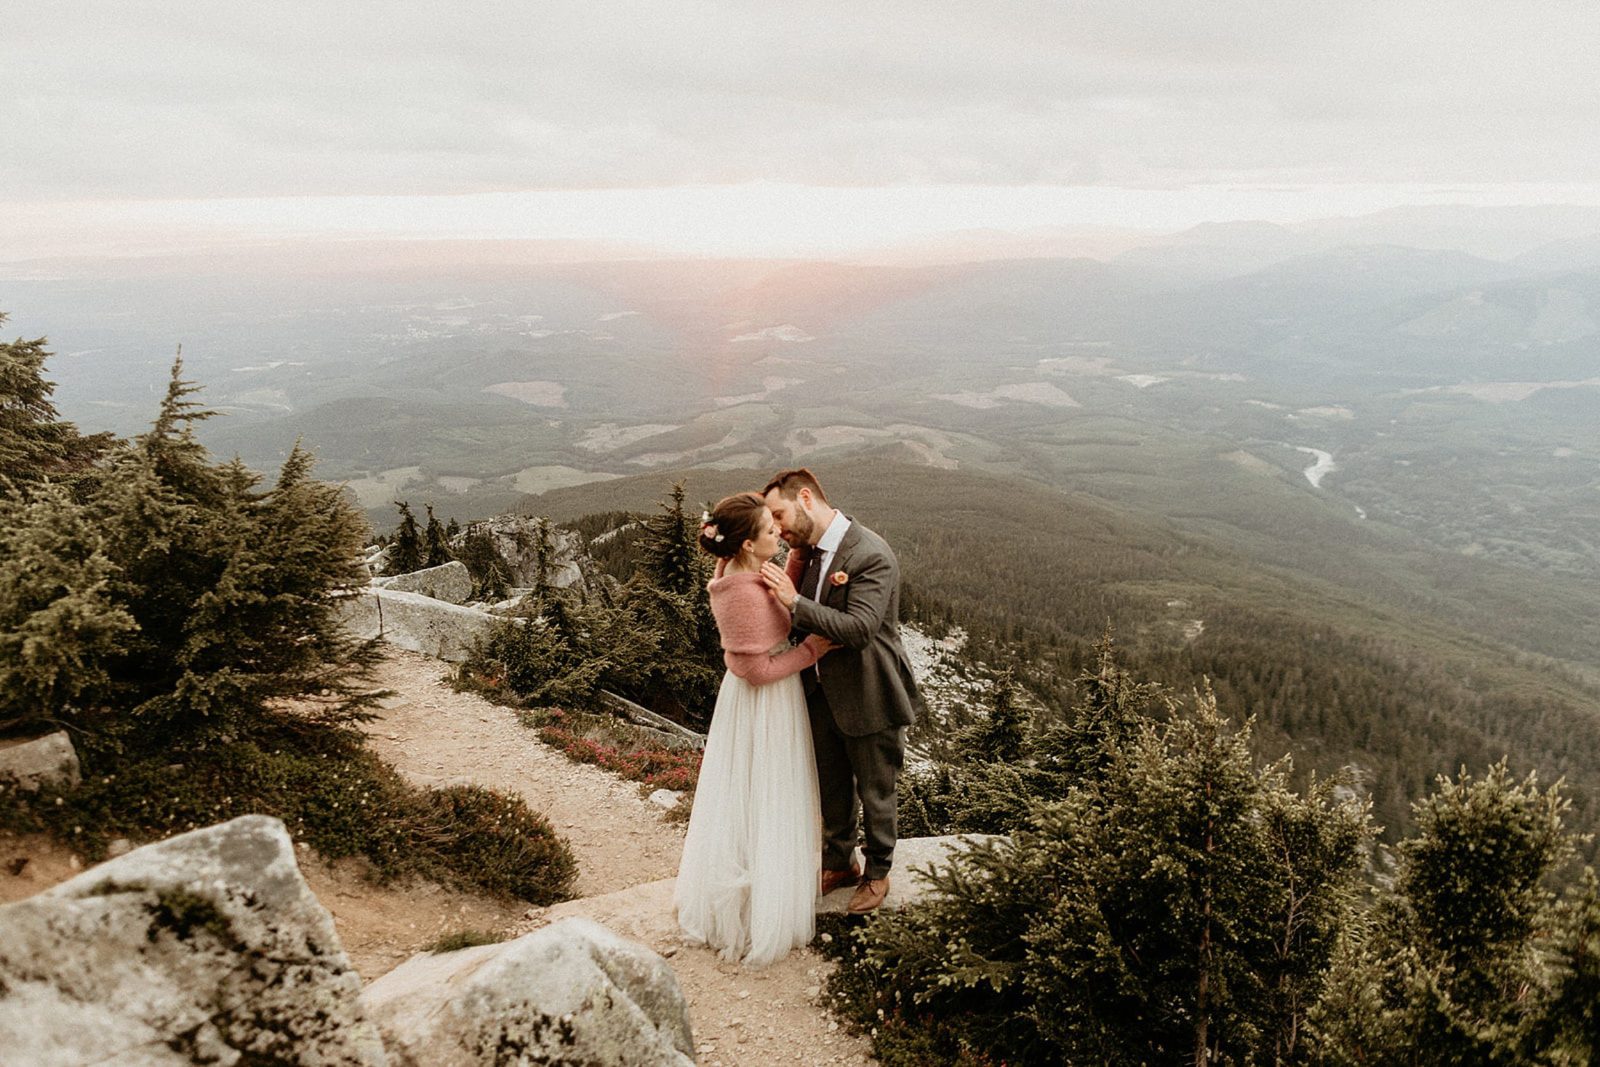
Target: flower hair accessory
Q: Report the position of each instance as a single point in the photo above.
(709, 528)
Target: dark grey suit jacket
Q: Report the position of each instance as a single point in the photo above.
(868, 682)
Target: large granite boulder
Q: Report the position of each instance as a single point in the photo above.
(516, 538)
(449, 582)
(572, 992)
(416, 622)
(205, 948)
(47, 760)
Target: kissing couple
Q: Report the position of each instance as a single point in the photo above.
(803, 733)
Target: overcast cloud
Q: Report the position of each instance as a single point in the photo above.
(208, 99)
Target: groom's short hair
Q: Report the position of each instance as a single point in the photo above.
(789, 483)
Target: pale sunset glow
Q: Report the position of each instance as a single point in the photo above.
(760, 219)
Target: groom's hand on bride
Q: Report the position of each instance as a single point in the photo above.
(779, 584)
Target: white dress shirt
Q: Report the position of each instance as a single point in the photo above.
(828, 544)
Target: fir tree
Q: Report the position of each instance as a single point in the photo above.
(437, 542)
(670, 607)
(58, 622)
(1573, 1025)
(672, 556)
(1001, 735)
(278, 624)
(1456, 967)
(1178, 907)
(1109, 710)
(544, 553)
(232, 589)
(34, 443)
(407, 552)
(491, 575)
(453, 530)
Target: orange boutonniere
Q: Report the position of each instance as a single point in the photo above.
(838, 577)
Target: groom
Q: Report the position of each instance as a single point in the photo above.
(843, 582)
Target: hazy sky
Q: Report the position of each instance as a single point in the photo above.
(1113, 110)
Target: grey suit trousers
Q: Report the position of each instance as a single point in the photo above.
(851, 767)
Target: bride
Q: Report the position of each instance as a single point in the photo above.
(748, 878)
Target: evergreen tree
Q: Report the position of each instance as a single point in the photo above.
(437, 542)
(453, 530)
(276, 622)
(671, 609)
(1574, 1014)
(1001, 735)
(1178, 907)
(544, 553)
(1110, 709)
(672, 556)
(491, 575)
(1457, 965)
(232, 590)
(407, 552)
(1000, 769)
(58, 623)
(34, 444)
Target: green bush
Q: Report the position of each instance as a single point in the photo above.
(496, 841)
(176, 600)
(1474, 957)
(58, 624)
(533, 661)
(455, 942)
(1181, 904)
(331, 793)
(651, 639)
(1177, 903)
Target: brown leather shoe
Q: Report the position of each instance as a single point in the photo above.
(832, 880)
(869, 895)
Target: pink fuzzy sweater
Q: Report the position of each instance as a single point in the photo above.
(752, 623)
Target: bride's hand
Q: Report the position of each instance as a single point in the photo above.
(822, 644)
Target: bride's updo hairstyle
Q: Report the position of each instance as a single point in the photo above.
(735, 520)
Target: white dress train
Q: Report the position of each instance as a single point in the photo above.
(747, 882)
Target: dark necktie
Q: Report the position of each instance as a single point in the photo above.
(808, 583)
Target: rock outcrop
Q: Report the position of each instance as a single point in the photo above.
(416, 622)
(204, 948)
(572, 992)
(47, 760)
(516, 538)
(450, 582)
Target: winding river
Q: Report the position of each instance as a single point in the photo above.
(1321, 467)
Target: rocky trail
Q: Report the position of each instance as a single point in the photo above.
(627, 854)
(627, 850)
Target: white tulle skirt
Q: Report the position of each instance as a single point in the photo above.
(747, 882)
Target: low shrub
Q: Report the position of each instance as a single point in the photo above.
(330, 792)
(632, 754)
(460, 939)
(505, 847)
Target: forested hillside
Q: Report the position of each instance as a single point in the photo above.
(1036, 575)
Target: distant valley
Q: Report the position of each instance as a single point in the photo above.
(1325, 399)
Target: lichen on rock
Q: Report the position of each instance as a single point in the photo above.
(205, 948)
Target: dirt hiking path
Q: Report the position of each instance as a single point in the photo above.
(627, 857)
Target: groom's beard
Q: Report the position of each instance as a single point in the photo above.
(799, 535)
